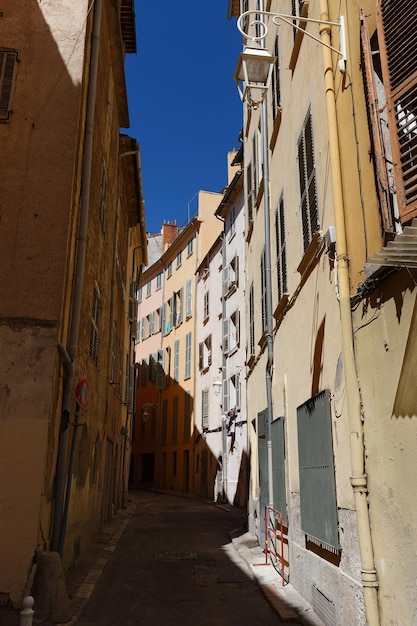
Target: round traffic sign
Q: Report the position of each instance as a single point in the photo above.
(81, 392)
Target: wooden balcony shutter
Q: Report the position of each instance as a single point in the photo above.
(398, 48)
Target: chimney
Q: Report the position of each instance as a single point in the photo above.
(169, 233)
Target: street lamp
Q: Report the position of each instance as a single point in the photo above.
(253, 74)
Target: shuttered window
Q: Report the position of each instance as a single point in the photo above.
(263, 292)
(176, 360)
(187, 373)
(187, 415)
(276, 82)
(204, 410)
(175, 419)
(308, 188)
(281, 249)
(95, 320)
(398, 48)
(316, 465)
(8, 65)
(251, 322)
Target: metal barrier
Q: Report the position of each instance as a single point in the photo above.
(274, 531)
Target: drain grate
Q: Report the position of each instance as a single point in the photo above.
(176, 556)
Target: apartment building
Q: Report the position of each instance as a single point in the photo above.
(166, 383)
(330, 270)
(72, 242)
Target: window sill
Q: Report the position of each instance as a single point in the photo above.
(281, 308)
(275, 130)
(311, 255)
(250, 231)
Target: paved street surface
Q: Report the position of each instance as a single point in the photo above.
(168, 559)
(175, 564)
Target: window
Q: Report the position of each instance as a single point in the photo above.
(144, 372)
(263, 293)
(187, 415)
(281, 250)
(164, 421)
(204, 353)
(143, 329)
(251, 322)
(297, 11)
(253, 177)
(151, 323)
(231, 332)
(395, 23)
(231, 275)
(138, 331)
(177, 360)
(188, 298)
(160, 371)
(317, 482)
(159, 281)
(190, 247)
(276, 82)
(113, 354)
(308, 190)
(174, 463)
(133, 303)
(179, 258)
(8, 67)
(95, 320)
(232, 222)
(231, 398)
(205, 410)
(176, 307)
(103, 195)
(187, 355)
(169, 269)
(206, 305)
(153, 421)
(148, 288)
(175, 419)
(140, 294)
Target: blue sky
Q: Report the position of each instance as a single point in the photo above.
(184, 106)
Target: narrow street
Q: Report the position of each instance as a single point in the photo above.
(175, 564)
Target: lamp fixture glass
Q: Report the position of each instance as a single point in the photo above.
(253, 74)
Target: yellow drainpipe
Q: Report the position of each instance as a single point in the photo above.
(357, 451)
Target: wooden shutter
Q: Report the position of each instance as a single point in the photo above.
(398, 48)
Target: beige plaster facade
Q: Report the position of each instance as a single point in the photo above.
(343, 305)
(70, 249)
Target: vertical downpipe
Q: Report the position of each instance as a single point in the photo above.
(59, 518)
(268, 288)
(353, 397)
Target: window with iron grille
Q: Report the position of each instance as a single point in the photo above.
(8, 67)
(95, 321)
(281, 249)
(398, 48)
(308, 185)
(103, 195)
